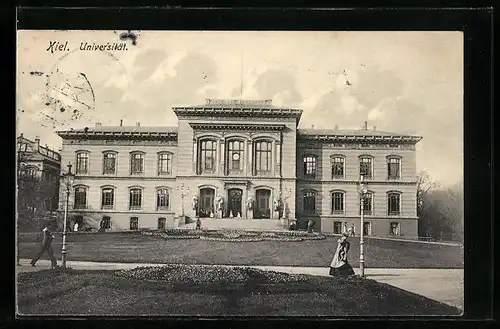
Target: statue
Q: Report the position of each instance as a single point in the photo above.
(220, 203)
(277, 204)
(195, 202)
(249, 204)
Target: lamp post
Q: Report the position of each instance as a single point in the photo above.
(181, 189)
(362, 190)
(68, 180)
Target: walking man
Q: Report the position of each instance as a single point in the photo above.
(46, 247)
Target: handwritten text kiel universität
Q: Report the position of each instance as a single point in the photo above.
(57, 46)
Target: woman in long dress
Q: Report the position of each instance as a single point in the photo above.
(339, 264)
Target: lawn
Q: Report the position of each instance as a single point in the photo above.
(236, 292)
(136, 248)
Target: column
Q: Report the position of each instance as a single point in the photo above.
(195, 156)
(278, 159)
(221, 155)
(273, 157)
(250, 159)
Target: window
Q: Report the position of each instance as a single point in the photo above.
(367, 204)
(367, 228)
(162, 202)
(337, 202)
(309, 166)
(162, 223)
(208, 149)
(309, 202)
(80, 198)
(235, 156)
(134, 223)
(394, 229)
(263, 152)
(365, 167)
(109, 163)
(82, 163)
(393, 168)
(394, 206)
(337, 167)
(135, 199)
(108, 198)
(164, 163)
(136, 163)
(337, 227)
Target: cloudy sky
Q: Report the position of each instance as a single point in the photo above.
(407, 82)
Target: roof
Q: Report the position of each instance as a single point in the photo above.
(33, 151)
(238, 108)
(146, 129)
(106, 132)
(355, 135)
(346, 132)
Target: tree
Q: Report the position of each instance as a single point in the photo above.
(424, 185)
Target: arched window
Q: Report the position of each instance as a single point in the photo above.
(80, 197)
(162, 199)
(393, 167)
(394, 203)
(136, 163)
(109, 163)
(82, 163)
(263, 157)
(309, 166)
(164, 163)
(206, 159)
(135, 199)
(337, 167)
(107, 198)
(309, 202)
(366, 167)
(234, 155)
(337, 202)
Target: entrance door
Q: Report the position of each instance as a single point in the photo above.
(234, 201)
(262, 209)
(206, 204)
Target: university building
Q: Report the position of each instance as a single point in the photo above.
(241, 164)
(38, 169)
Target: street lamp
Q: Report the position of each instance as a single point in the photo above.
(183, 194)
(362, 190)
(68, 180)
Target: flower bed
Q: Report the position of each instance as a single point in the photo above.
(207, 274)
(229, 239)
(235, 235)
(167, 236)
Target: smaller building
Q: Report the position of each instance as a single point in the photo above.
(38, 170)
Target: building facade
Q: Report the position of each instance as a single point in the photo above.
(242, 163)
(38, 169)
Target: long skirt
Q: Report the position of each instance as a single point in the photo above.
(343, 270)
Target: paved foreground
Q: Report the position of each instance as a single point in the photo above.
(443, 285)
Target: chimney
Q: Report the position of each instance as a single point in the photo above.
(121, 122)
(37, 140)
(374, 128)
(137, 124)
(22, 136)
(366, 125)
(336, 127)
(98, 124)
(312, 126)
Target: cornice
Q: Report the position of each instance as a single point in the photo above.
(236, 126)
(213, 111)
(355, 182)
(360, 138)
(76, 134)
